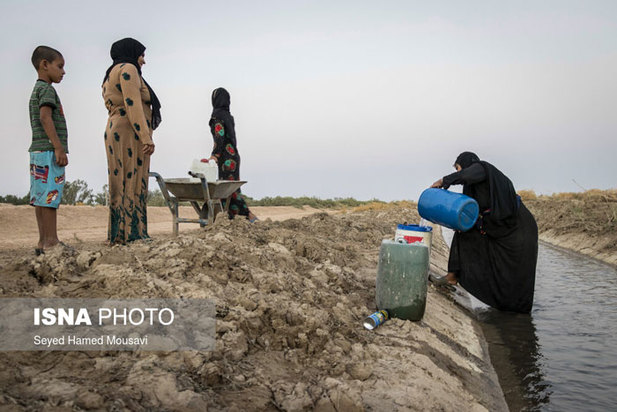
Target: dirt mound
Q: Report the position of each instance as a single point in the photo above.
(584, 222)
(290, 300)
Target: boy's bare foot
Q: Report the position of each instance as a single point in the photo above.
(43, 246)
(49, 244)
(58, 244)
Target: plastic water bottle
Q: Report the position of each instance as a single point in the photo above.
(376, 319)
(208, 169)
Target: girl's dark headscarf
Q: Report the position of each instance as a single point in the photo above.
(220, 112)
(504, 202)
(128, 51)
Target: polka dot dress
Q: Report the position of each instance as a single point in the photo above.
(128, 102)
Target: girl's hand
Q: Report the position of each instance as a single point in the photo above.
(213, 159)
(438, 184)
(148, 148)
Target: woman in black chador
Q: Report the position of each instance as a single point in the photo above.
(496, 259)
(225, 150)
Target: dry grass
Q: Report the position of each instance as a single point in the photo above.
(527, 195)
(593, 211)
(379, 206)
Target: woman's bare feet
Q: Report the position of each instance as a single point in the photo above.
(451, 277)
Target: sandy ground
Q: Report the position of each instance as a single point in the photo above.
(290, 295)
(77, 224)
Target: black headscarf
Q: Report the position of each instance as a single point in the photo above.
(504, 202)
(465, 159)
(220, 111)
(128, 50)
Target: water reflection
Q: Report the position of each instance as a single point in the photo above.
(575, 311)
(563, 356)
(517, 356)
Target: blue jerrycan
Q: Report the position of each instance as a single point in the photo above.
(453, 210)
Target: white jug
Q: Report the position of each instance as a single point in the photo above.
(209, 169)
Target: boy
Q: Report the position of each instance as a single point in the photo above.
(48, 151)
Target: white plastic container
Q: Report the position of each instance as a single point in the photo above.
(413, 234)
(209, 169)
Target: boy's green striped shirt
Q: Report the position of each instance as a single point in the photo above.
(44, 94)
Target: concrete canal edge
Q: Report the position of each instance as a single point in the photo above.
(592, 246)
(458, 339)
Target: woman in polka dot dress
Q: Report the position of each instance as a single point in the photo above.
(134, 112)
(225, 150)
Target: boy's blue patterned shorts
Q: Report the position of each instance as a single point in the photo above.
(46, 179)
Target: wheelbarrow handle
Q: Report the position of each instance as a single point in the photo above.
(197, 175)
(162, 186)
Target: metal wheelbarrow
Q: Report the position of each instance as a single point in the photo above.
(204, 196)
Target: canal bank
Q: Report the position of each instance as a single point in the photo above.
(584, 244)
(290, 297)
(583, 222)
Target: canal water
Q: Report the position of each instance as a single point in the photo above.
(563, 356)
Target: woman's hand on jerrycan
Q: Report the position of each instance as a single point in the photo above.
(437, 184)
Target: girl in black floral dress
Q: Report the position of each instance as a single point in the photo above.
(225, 150)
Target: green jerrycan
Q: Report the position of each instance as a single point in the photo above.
(402, 279)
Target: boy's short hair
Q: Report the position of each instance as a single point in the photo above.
(44, 53)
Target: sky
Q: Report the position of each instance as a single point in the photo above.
(364, 99)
